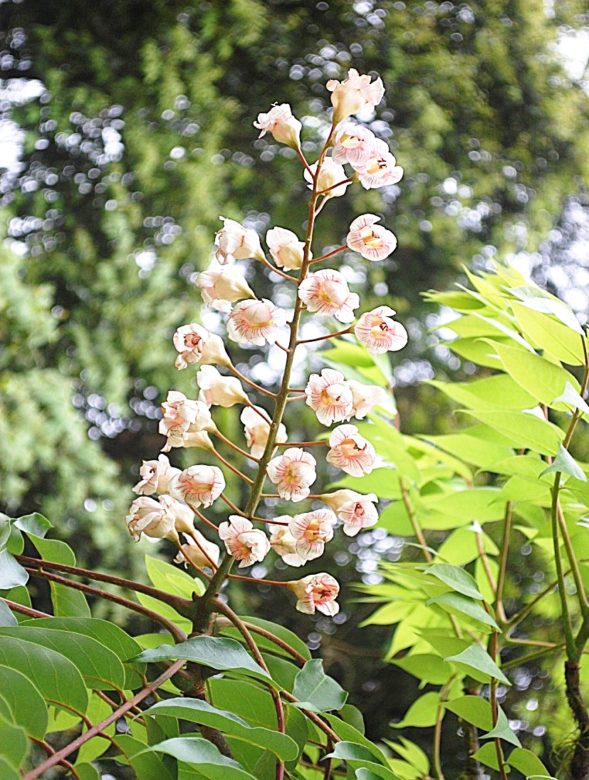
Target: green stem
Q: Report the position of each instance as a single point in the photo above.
(501, 576)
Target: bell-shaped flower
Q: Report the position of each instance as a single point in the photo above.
(352, 144)
(317, 592)
(366, 397)
(311, 531)
(355, 510)
(198, 485)
(293, 474)
(221, 286)
(245, 543)
(378, 168)
(326, 292)
(156, 476)
(181, 513)
(196, 344)
(332, 179)
(198, 551)
(330, 396)
(379, 332)
(285, 247)
(350, 452)
(283, 542)
(150, 517)
(372, 241)
(257, 429)
(236, 242)
(219, 390)
(354, 94)
(281, 123)
(182, 416)
(256, 322)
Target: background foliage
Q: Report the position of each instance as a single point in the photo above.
(136, 122)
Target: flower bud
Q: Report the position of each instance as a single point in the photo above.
(236, 242)
(330, 174)
(285, 247)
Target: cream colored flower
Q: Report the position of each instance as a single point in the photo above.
(245, 543)
(283, 542)
(317, 592)
(350, 452)
(379, 332)
(286, 248)
(332, 178)
(354, 94)
(312, 531)
(329, 396)
(256, 322)
(219, 390)
(196, 344)
(199, 485)
(279, 121)
(326, 292)
(236, 242)
(372, 241)
(156, 476)
(366, 397)
(148, 516)
(223, 285)
(256, 430)
(293, 473)
(198, 551)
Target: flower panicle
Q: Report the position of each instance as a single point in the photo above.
(169, 499)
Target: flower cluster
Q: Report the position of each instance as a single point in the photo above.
(271, 467)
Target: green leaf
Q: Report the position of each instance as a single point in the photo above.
(53, 674)
(215, 652)
(212, 763)
(479, 664)
(12, 573)
(425, 666)
(317, 691)
(411, 753)
(88, 772)
(66, 601)
(523, 429)
(456, 578)
(33, 524)
(24, 702)
(198, 711)
(355, 754)
(472, 709)
(171, 579)
(145, 765)
(282, 633)
(548, 334)
(6, 616)
(487, 755)
(455, 602)
(349, 733)
(422, 713)
(538, 300)
(566, 464)
(528, 764)
(14, 745)
(108, 634)
(502, 730)
(497, 391)
(99, 666)
(8, 771)
(571, 397)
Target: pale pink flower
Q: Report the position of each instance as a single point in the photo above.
(182, 515)
(354, 94)
(283, 542)
(199, 485)
(366, 397)
(350, 452)
(256, 430)
(245, 543)
(279, 121)
(352, 144)
(181, 416)
(330, 175)
(379, 332)
(353, 509)
(372, 241)
(198, 551)
(286, 248)
(147, 516)
(326, 292)
(329, 396)
(196, 344)
(379, 168)
(293, 473)
(311, 531)
(156, 476)
(219, 390)
(256, 322)
(223, 285)
(236, 242)
(317, 592)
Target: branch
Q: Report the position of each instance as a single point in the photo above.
(60, 755)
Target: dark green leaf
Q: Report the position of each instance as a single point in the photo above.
(194, 750)
(317, 691)
(14, 745)
(479, 664)
(456, 578)
(24, 702)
